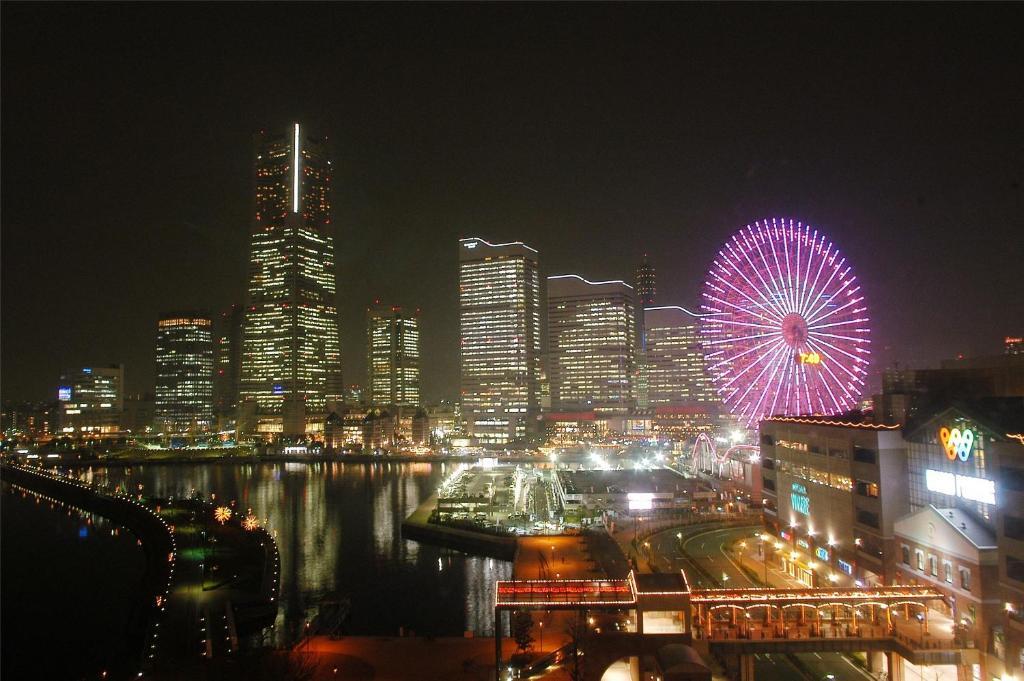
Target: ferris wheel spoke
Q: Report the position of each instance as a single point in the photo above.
(820, 294)
(774, 288)
(757, 360)
(819, 345)
(778, 366)
(814, 246)
(768, 306)
(825, 300)
(842, 386)
(765, 286)
(859, 320)
(733, 288)
(852, 301)
(852, 339)
(773, 325)
(778, 269)
(773, 359)
(787, 233)
(744, 353)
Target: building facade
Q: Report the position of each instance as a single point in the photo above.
(832, 491)
(91, 400)
(676, 373)
(592, 344)
(393, 356)
(291, 356)
(184, 372)
(499, 333)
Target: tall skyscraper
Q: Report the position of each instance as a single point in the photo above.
(91, 400)
(644, 281)
(591, 344)
(499, 330)
(393, 356)
(676, 373)
(227, 360)
(184, 372)
(291, 357)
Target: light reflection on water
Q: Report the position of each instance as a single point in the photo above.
(339, 533)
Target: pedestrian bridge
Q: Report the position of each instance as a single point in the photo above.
(738, 623)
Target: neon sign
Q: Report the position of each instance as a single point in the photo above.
(64, 393)
(798, 499)
(957, 443)
(844, 566)
(821, 553)
(809, 358)
(963, 486)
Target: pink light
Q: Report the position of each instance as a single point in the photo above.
(764, 272)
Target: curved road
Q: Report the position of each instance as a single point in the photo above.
(708, 552)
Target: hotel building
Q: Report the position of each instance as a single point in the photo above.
(393, 356)
(291, 361)
(676, 374)
(184, 373)
(592, 344)
(499, 332)
(91, 400)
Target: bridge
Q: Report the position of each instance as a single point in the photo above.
(643, 613)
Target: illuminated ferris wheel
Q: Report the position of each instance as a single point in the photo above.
(785, 329)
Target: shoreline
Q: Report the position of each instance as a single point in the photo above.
(282, 458)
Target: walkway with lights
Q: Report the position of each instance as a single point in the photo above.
(739, 622)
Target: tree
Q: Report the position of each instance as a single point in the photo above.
(522, 630)
(579, 634)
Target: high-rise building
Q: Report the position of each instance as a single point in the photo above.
(676, 373)
(591, 344)
(227, 361)
(91, 400)
(644, 281)
(184, 372)
(499, 331)
(291, 357)
(393, 355)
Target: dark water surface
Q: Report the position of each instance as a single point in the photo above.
(70, 582)
(339, 533)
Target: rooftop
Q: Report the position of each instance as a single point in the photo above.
(624, 481)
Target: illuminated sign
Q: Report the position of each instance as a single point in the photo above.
(64, 393)
(798, 499)
(963, 486)
(799, 446)
(785, 535)
(802, 543)
(809, 358)
(471, 244)
(278, 389)
(821, 553)
(844, 566)
(957, 443)
(640, 501)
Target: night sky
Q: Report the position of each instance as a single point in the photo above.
(593, 133)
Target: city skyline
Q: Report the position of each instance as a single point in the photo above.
(662, 190)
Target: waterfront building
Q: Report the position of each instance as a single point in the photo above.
(591, 344)
(29, 420)
(184, 372)
(227, 362)
(832, 491)
(393, 355)
(91, 400)
(1013, 345)
(291, 357)
(588, 495)
(499, 333)
(676, 372)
